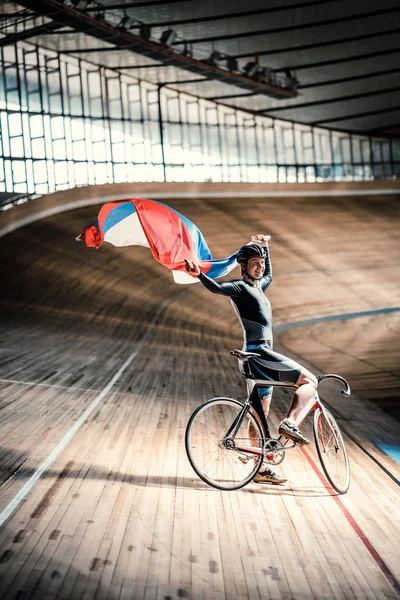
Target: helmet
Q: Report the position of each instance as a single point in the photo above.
(250, 251)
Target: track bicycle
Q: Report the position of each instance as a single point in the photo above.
(227, 441)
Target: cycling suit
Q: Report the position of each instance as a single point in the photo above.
(254, 313)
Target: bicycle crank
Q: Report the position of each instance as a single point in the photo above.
(274, 452)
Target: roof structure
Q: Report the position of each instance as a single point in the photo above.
(328, 63)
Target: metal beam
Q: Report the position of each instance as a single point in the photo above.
(135, 5)
(232, 96)
(12, 38)
(6, 16)
(385, 128)
(337, 42)
(125, 67)
(353, 116)
(337, 61)
(165, 83)
(239, 15)
(252, 33)
(332, 100)
(348, 79)
(88, 50)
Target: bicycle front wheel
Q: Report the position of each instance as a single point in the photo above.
(332, 450)
(224, 464)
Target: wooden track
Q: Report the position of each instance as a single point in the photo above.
(120, 513)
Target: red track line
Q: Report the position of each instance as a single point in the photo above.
(374, 553)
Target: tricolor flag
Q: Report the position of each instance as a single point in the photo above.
(171, 237)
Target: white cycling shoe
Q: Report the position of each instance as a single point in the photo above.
(290, 430)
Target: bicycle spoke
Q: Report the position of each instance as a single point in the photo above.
(331, 450)
(212, 456)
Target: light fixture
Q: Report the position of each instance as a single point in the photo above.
(81, 4)
(144, 31)
(168, 37)
(124, 22)
(215, 58)
(265, 74)
(232, 63)
(251, 69)
(291, 81)
(187, 50)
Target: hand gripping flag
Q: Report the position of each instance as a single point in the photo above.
(171, 237)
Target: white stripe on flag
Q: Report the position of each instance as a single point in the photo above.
(127, 232)
(182, 277)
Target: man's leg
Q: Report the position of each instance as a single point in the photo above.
(302, 402)
(266, 474)
(265, 403)
(303, 398)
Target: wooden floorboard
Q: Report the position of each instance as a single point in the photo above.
(120, 513)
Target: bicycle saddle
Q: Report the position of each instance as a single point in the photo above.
(243, 355)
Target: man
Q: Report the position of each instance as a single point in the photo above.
(254, 312)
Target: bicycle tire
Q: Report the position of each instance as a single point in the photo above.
(228, 468)
(332, 452)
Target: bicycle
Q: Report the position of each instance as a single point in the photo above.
(227, 441)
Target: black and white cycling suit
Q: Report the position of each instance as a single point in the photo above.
(254, 312)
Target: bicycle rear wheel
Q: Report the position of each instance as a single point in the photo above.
(217, 462)
(332, 450)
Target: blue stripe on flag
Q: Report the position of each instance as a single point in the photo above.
(221, 267)
(200, 248)
(120, 212)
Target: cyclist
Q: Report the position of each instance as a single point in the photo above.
(254, 312)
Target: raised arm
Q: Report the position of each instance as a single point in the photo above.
(267, 277)
(263, 240)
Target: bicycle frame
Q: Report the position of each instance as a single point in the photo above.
(253, 400)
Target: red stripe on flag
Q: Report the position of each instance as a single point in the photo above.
(168, 236)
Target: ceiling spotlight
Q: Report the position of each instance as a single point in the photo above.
(215, 58)
(232, 63)
(144, 31)
(81, 4)
(251, 69)
(124, 22)
(168, 37)
(291, 81)
(265, 74)
(187, 50)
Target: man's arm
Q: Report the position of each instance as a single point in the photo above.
(262, 240)
(267, 277)
(226, 288)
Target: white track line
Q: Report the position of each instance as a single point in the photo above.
(11, 507)
(49, 385)
(68, 388)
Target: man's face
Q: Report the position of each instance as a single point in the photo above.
(256, 267)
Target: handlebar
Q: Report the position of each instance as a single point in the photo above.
(346, 391)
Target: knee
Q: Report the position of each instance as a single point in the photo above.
(309, 379)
